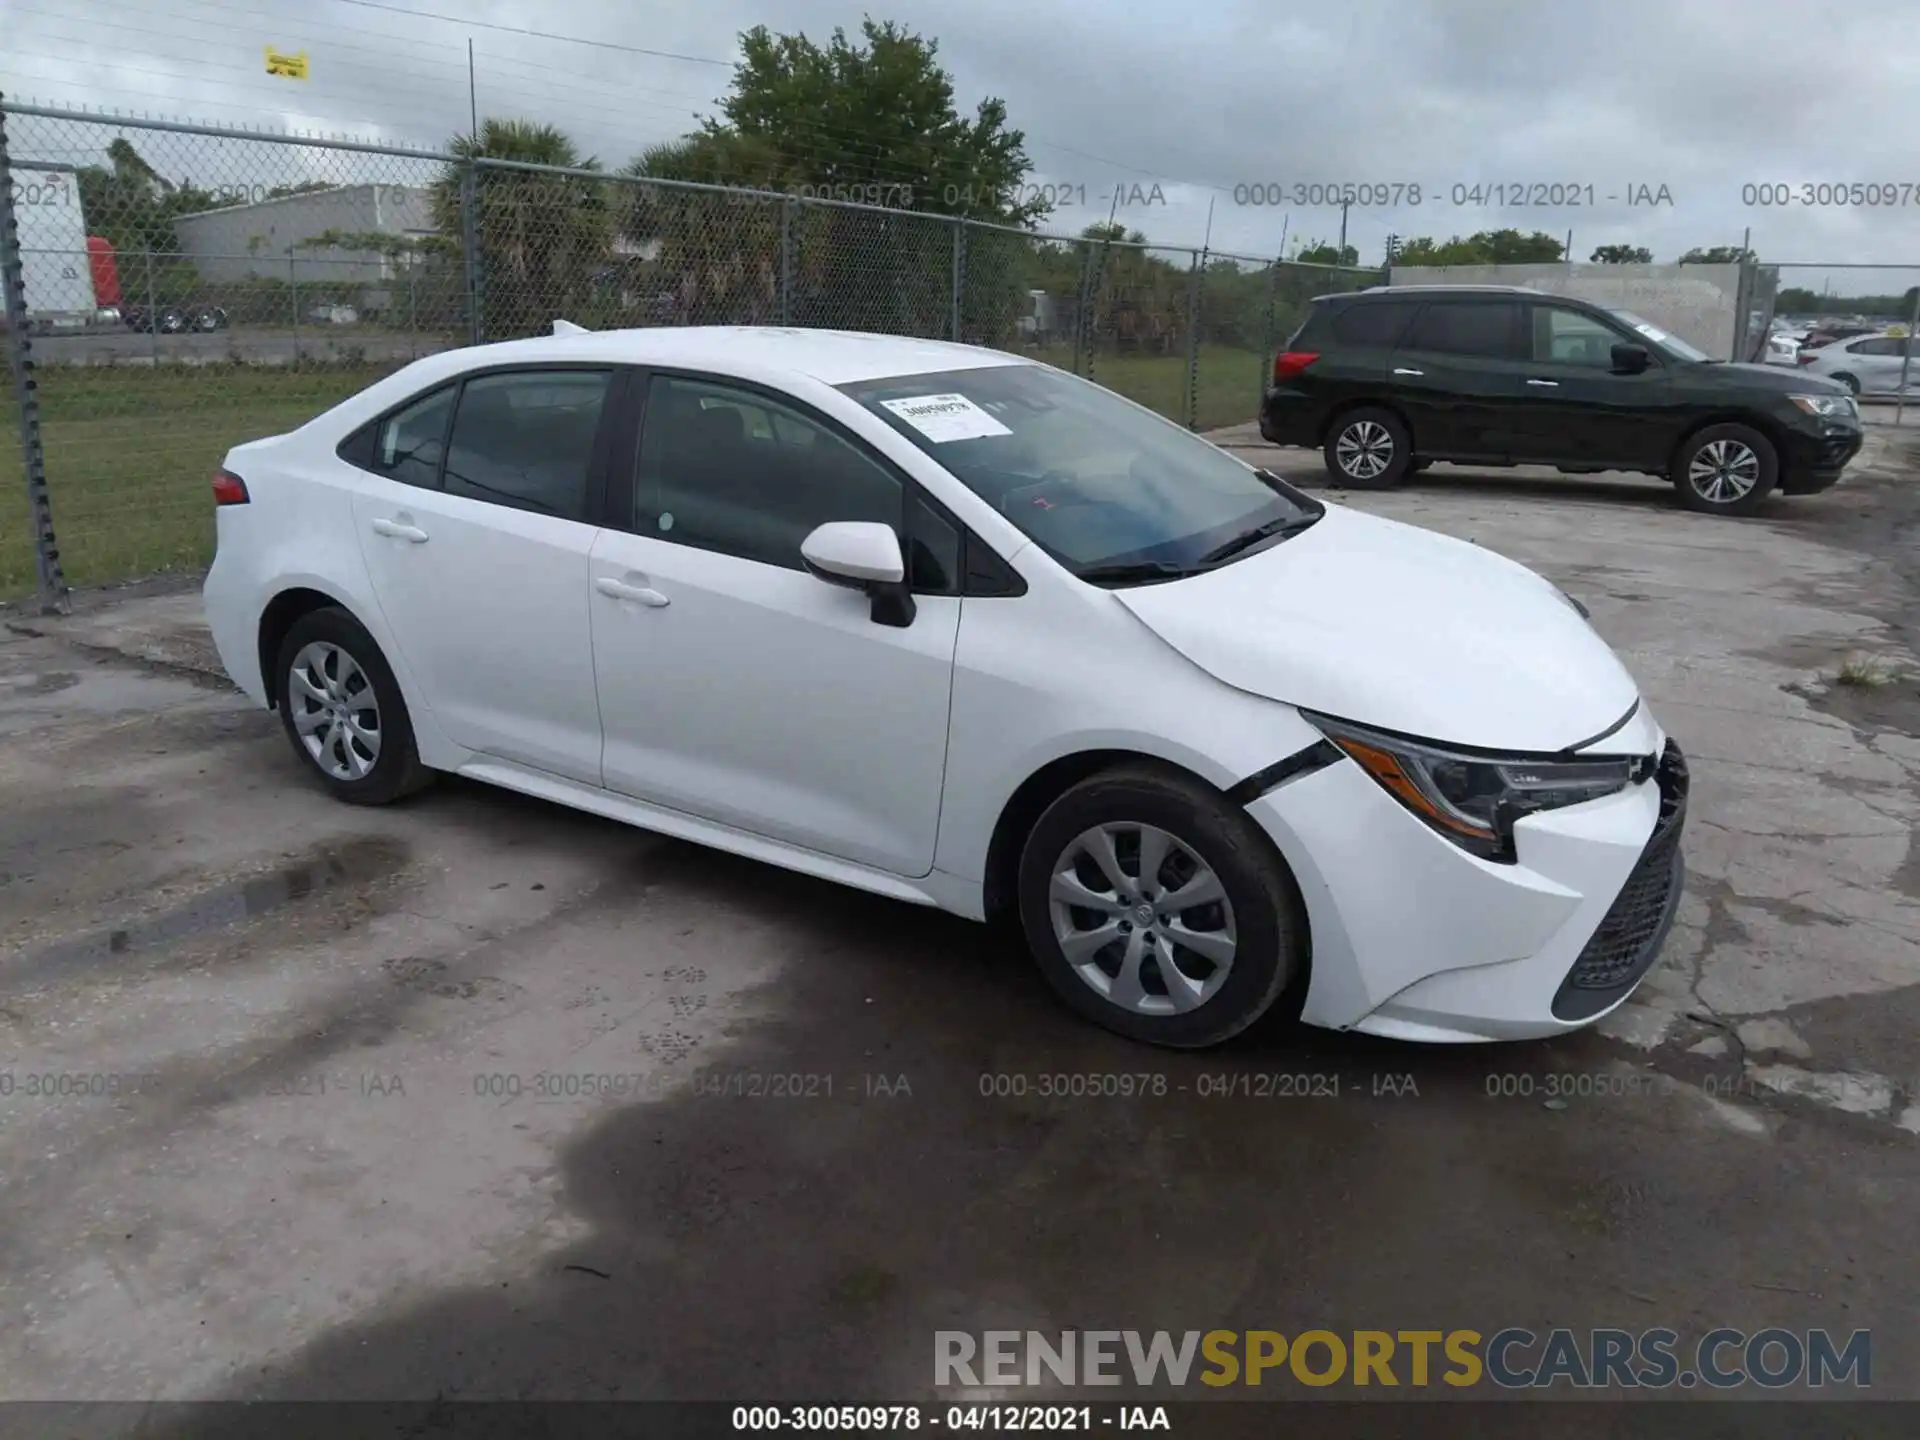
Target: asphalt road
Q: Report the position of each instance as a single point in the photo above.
(478, 1098)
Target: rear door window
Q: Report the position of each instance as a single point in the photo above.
(526, 440)
(1376, 324)
(1477, 329)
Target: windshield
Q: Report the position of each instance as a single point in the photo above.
(1111, 491)
(1665, 339)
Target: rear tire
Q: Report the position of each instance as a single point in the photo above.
(1232, 949)
(1853, 385)
(1725, 470)
(1368, 449)
(343, 711)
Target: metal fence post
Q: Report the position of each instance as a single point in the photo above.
(786, 260)
(293, 291)
(153, 308)
(1906, 358)
(470, 247)
(413, 308)
(1266, 343)
(1192, 404)
(959, 273)
(51, 584)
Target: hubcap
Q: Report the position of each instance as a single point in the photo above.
(1142, 919)
(1723, 471)
(335, 711)
(1364, 449)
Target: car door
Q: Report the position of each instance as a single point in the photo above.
(736, 686)
(1874, 360)
(1455, 376)
(1574, 408)
(476, 523)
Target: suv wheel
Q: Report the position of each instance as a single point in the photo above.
(1368, 450)
(343, 710)
(1157, 910)
(1725, 470)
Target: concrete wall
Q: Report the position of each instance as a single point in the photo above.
(246, 241)
(1699, 303)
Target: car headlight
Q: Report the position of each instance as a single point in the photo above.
(1826, 404)
(1474, 798)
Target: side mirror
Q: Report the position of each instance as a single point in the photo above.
(863, 555)
(1630, 359)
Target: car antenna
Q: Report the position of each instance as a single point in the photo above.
(567, 327)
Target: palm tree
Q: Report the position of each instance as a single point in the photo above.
(542, 235)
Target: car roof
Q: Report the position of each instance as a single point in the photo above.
(834, 357)
(1405, 291)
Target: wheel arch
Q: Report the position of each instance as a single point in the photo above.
(1346, 407)
(1761, 425)
(278, 616)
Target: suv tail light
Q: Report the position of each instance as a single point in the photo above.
(228, 488)
(1290, 363)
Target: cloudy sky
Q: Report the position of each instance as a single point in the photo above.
(1173, 108)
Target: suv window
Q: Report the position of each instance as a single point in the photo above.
(1373, 322)
(1487, 329)
(408, 445)
(1571, 337)
(731, 470)
(526, 440)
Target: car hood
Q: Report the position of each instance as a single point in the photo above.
(1731, 376)
(1387, 625)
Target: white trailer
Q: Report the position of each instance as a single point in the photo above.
(53, 248)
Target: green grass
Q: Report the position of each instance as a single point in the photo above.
(130, 450)
(1228, 382)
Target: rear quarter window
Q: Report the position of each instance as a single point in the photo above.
(1379, 323)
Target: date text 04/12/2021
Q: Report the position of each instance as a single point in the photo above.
(1477, 194)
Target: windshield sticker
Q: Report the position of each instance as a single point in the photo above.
(1650, 332)
(943, 418)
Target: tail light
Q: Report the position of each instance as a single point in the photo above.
(1805, 357)
(228, 488)
(1290, 364)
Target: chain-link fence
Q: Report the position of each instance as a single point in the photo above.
(174, 289)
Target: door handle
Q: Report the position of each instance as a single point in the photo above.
(620, 590)
(1548, 384)
(1402, 370)
(411, 533)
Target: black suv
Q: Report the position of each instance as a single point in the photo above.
(1388, 380)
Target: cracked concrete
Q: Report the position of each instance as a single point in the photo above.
(287, 1140)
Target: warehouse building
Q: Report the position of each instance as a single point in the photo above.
(257, 239)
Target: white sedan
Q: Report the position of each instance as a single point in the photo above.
(961, 629)
(1866, 364)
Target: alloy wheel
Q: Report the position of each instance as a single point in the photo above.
(1142, 919)
(336, 713)
(1365, 449)
(1723, 471)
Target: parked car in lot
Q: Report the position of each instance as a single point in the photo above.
(1783, 347)
(1391, 379)
(1822, 336)
(1866, 365)
(954, 627)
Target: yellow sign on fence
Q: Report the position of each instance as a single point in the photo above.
(290, 67)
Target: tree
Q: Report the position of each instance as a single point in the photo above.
(544, 239)
(1485, 247)
(1716, 255)
(872, 120)
(1622, 255)
(1322, 253)
(132, 204)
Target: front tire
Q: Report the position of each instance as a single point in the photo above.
(343, 712)
(1726, 470)
(1368, 449)
(1158, 910)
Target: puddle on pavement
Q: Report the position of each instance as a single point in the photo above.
(330, 868)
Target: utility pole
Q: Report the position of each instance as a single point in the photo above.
(1342, 254)
(473, 95)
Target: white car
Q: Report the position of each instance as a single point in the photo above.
(1783, 347)
(1866, 364)
(962, 629)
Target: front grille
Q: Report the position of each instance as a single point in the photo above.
(1628, 939)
